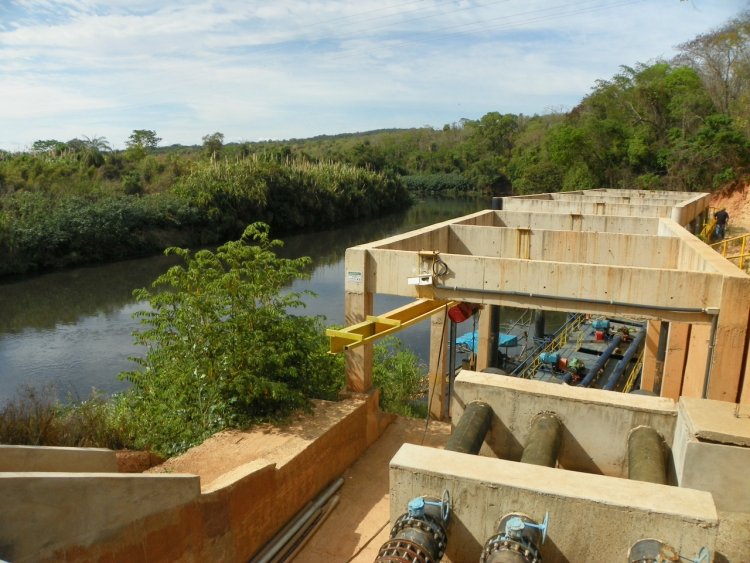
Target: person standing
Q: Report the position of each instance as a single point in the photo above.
(722, 218)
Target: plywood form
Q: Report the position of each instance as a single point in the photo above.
(674, 362)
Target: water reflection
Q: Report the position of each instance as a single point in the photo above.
(74, 328)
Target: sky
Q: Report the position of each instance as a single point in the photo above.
(283, 69)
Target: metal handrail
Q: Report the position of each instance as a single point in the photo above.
(724, 244)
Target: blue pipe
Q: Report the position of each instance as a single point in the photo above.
(626, 357)
(600, 361)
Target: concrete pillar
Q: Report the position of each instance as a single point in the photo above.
(539, 324)
(357, 305)
(438, 371)
(484, 340)
(675, 359)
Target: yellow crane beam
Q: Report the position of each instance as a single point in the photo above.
(378, 326)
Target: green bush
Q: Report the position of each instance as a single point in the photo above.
(400, 376)
(221, 349)
(36, 417)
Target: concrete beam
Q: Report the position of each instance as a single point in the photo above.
(674, 363)
(358, 304)
(576, 222)
(592, 517)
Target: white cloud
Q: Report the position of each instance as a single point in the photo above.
(293, 68)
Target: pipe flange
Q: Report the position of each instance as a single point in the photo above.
(400, 551)
(426, 524)
(500, 542)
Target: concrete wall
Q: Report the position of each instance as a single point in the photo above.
(241, 511)
(592, 517)
(66, 460)
(596, 423)
(712, 452)
(43, 512)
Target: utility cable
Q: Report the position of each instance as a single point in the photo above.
(361, 549)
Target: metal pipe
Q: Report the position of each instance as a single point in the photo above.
(280, 540)
(710, 355)
(420, 534)
(574, 299)
(471, 429)
(452, 370)
(635, 344)
(543, 442)
(600, 361)
(647, 456)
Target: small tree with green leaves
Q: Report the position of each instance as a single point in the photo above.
(222, 350)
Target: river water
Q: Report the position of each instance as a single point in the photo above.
(73, 329)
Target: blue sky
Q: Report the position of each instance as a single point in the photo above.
(281, 69)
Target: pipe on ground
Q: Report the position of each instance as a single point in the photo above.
(600, 361)
(623, 363)
(647, 456)
(543, 442)
(471, 429)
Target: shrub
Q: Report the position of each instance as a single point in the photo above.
(400, 376)
(221, 349)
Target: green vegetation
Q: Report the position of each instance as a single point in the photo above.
(221, 351)
(400, 376)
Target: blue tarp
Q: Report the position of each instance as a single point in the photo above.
(470, 340)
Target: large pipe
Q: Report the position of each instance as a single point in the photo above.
(625, 360)
(471, 429)
(419, 535)
(543, 442)
(600, 361)
(647, 456)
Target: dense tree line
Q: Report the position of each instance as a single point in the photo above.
(679, 125)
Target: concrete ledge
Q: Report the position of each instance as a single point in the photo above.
(596, 423)
(42, 512)
(592, 517)
(67, 460)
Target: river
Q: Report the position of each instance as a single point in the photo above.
(72, 329)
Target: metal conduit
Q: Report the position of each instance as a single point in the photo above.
(543, 441)
(600, 361)
(471, 429)
(623, 363)
(647, 456)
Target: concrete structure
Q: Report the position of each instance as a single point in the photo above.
(570, 252)
(165, 518)
(615, 252)
(61, 460)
